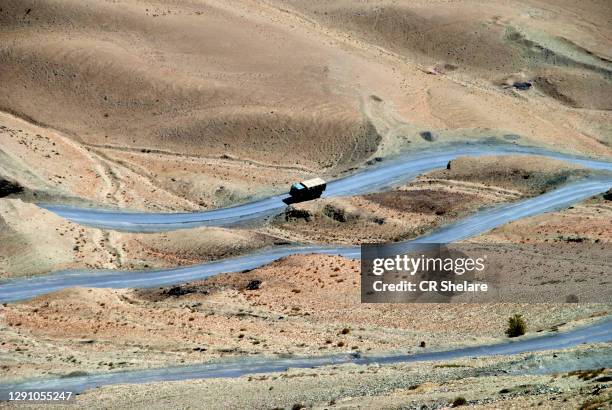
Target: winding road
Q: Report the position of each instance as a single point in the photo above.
(374, 178)
(20, 289)
(597, 332)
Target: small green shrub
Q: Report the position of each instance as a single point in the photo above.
(516, 326)
(459, 401)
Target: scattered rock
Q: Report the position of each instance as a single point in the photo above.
(428, 136)
(177, 291)
(571, 299)
(77, 373)
(511, 137)
(378, 220)
(374, 160)
(522, 85)
(253, 285)
(8, 187)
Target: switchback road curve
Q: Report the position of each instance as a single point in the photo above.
(374, 178)
(20, 289)
(394, 172)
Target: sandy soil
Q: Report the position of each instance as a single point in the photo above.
(172, 86)
(50, 167)
(585, 222)
(36, 241)
(478, 51)
(170, 119)
(484, 383)
(200, 104)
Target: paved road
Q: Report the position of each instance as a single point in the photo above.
(478, 223)
(373, 179)
(597, 332)
(385, 174)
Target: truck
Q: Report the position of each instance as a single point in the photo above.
(309, 189)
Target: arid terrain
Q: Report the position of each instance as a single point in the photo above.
(484, 384)
(301, 305)
(191, 104)
(38, 241)
(195, 105)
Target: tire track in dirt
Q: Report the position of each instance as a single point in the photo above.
(494, 192)
(84, 152)
(139, 172)
(225, 157)
(111, 184)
